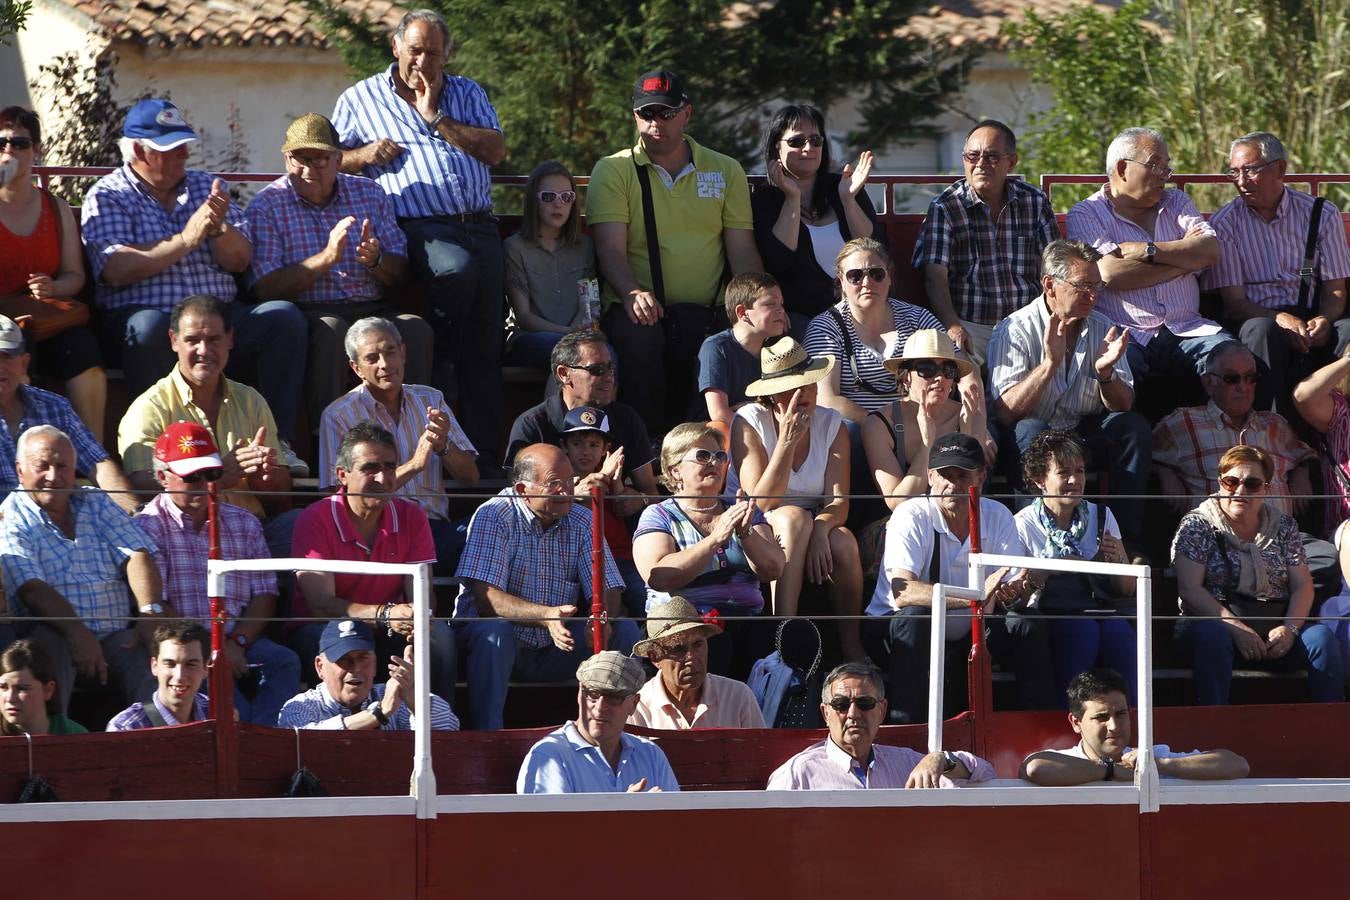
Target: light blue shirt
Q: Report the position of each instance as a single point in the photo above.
(564, 763)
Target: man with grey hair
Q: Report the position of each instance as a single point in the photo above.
(71, 556)
(853, 702)
(1059, 363)
(154, 233)
(1281, 315)
(1154, 243)
(429, 139)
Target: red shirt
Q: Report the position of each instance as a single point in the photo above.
(38, 252)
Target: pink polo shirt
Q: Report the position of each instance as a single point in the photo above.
(726, 703)
(325, 531)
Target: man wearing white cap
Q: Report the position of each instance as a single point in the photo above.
(593, 754)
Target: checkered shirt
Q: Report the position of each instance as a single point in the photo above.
(134, 716)
(45, 408)
(318, 710)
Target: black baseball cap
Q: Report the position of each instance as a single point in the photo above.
(959, 450)
(659, 89)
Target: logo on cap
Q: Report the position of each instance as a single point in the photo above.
(589, 418)
(186, 442)
(171, 117)
(658, 84)
(345, 628)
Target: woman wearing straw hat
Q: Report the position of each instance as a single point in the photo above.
(792, 456)
(897, 438)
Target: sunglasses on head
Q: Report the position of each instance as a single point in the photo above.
(18, 143)
(928, 369)
(550, 196)
(798, 141)
(599, 370)
(855, 276)
(705, 457)
(664, 113)
(841, 704)
(203, 475)
(1231, 483)
(1231, 378)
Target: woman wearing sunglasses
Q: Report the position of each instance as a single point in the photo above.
(545, 261)
(1244, 587)
(1321, 401)
(712, 551)
(42, 268)
(792, 456)
(897, 437)
(807, 212)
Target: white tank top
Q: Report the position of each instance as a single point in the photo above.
(808, 481)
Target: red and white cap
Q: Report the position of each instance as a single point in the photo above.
(186, 447)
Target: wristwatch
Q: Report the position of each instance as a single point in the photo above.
(378, 712)
(435, 123)
(239, 638)
(1107, 380)
(1150, 251)
(152, 609)
(949, 761)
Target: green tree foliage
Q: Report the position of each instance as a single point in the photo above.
(13, 15)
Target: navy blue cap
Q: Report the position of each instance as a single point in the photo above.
(158, 123)
(586, 418)
(342, 636)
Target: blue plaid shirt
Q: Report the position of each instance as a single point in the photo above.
(318, 710)
(87, 571)
(45, 408)
(118, 211)
(509, 550)
(431, 177)
(135, 717)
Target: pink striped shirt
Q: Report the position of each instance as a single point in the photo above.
(1265, 257)
(1175, 303)
(826, 767)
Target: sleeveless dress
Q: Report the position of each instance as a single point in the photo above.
(807, 483)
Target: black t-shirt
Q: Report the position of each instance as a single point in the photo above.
(543, 424)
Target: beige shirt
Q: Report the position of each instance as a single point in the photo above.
(726, 703)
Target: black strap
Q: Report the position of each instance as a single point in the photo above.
(1307, 275)
(935, 561)
(154, 715)
(1101, 524)
(853, 363)
(653, 244)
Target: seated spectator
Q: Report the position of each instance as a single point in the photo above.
(792, 457)
(178, 657)
(70, 555)
(347, 697)
(683, 695)
(329, 243)
(898, 437)
(1244, 587)
(156, 234)
(1154, 243)
(41, 262)
(545, 263)
(524, 572)
(1099, 712)
(853, 702)
(585, 440)
(927, 541)
(1060, 524)
(1059, 363)
(1264, 233)
(429, 441)
(1321, 400)
(265, 673)
(363, 521)
(729, 360)
(28, 702)
(593, 754)
(807, 212)
(23, 406)
(981, 242)
(712, 550)
(584, 367)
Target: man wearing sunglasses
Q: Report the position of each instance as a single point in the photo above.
(981, 242)
(853, 702)
(1280, 315)
(661, 301)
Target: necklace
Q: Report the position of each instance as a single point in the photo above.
(700, 509)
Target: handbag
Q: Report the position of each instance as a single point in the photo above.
(799, 645)
(45, 318)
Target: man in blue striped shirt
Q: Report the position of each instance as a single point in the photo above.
(429, 138)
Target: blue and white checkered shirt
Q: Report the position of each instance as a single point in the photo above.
(45, 408)
(118, 211)
(509, 550)
(134, 717)
(87, 571)
(431, 177)
(318, 710)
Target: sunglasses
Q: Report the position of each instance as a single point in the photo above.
(928, 369)
(203, 475)
(707, 457)
(841, 704)
(599, 370)
(798, 141)
(1231, 378)
(18, 143)
(855, 276)
(1231, 483)
(550, 196)
(973, 157)
(664, 113)
(608, 697)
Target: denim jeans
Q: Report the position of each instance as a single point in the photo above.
(1213, 650)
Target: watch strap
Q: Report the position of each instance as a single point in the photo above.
(378, 712)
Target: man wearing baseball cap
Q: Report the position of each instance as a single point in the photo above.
(593, 754)
(928, 540)
(329, 242)
(156, 233)
(265, 673)
(663, 271)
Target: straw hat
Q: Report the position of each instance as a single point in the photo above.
(784, 365)
(929, 343)
(675, 616)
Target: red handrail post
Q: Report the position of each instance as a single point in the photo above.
(599, 615)
(221, 672)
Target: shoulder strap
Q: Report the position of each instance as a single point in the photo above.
(1101, 523)
(153, 714)
(653, 244)
(1230, 580)
(1307, 275)
(852, 361)
(935, 561)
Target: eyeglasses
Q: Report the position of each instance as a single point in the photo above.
(599, 370)
(1248, 171)
(706, 457)
(550, 196)
(203, 475)
(1232, 378)
(1083, 287)
(664, 113)
(609, 698)
(1230, 483)
(1163, 172)
(18, 143)
(798, 141)
(974, 156)
(311, 162)
(556, 486)
(876, 273)
(841, 704)
(927, 369)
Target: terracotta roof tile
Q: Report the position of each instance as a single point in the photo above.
(193, 23)
(980, 22)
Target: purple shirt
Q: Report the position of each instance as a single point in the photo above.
(1173, 304)
(826, 767)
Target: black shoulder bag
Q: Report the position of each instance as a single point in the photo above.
(1309, 284)
(653, 243)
